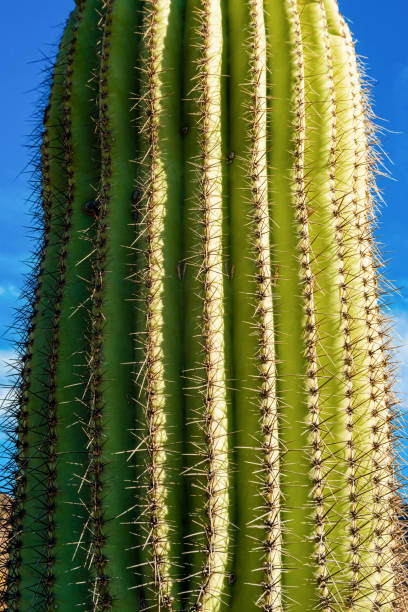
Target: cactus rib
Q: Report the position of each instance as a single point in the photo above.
(211, 273)
(40, 476)
(102, 589)
(72, 502)
(271, 596)
(53, 417)
(310, 326)
(360, 341)
(15, 548)
(111, 347)
(155, 30)
(23, 448)
(348, 372)
(383, 485)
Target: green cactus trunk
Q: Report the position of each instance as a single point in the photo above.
(205, 409)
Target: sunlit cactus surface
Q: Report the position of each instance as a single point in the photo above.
(204, 415)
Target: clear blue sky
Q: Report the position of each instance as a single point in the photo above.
(29, 30)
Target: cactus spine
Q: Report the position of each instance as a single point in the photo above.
(204, 407)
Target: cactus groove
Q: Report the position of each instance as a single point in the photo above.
(204, 416)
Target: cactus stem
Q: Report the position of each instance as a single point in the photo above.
(52, 438)
(348, 369)
(271, 595)
(211, 273)
(71, 396)
(155, 31)
(101, 591)
(38, 378)
(205, 416)
(383, 509)
(111, 353)
(309, 308)
(17, 510)
(17, 513)
(367, 338)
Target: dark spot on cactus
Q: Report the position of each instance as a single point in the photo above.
(106, 602)
(230, 157)
(184, 130)
(50, 581)
(91, 208)
(232, 579)
(142, 602)
(137, 195)
(167, 602)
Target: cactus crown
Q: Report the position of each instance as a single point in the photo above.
(204, 409)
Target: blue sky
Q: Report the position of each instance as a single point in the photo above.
(29, 31)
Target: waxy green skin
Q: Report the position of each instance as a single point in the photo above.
(146, 428)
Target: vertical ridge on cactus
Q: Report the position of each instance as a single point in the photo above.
(308, 283)
(110, 351)
(161, 220)
(211, 275)
(82, 170)
(37, 424)
(379, 391)
(204, 415)
(263, 311)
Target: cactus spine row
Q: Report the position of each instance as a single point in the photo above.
(204, 411)
(263, 311)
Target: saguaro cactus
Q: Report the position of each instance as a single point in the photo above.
(204, 410)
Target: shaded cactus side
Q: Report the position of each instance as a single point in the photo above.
(205, 415)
